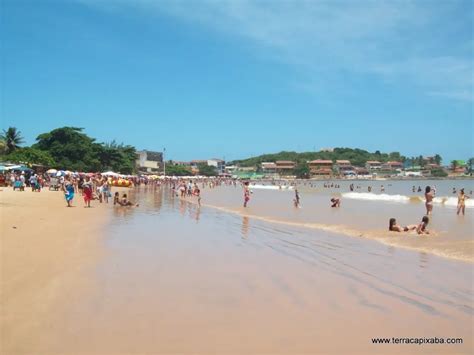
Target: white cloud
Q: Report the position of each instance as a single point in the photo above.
(393, 40)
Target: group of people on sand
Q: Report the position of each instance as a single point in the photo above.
(189, 189)
(99, 188)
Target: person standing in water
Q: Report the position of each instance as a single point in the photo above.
(297, 199)
(246, 193)
(429, 200)
(461, 202)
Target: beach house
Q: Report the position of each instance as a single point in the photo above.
(392, 165)
(268, 168)
(344, 167)
(320, 167)
(285, 167)
(371, 165)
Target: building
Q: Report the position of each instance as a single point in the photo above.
(392, 165)
(344, 167)
(373, 165)
(320, 167)
(269, 168)
(285, 167)
(219, 164)
(148, 161)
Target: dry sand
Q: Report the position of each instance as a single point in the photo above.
(43, 244)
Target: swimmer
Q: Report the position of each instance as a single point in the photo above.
(394, 227)
(336, 202)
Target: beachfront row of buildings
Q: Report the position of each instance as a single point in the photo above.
(152, 162)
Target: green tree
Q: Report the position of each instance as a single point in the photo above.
(439, 173)
(12, 138)
(438, 159)
(470, 162)
(177, 170)
(302, 170)
(207, 170)
(454, 165)
(30, 156)
(71, 149)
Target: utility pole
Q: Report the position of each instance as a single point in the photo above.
(164, 162)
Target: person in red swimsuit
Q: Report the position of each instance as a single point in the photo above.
(87, 191)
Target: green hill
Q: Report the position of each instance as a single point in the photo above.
(358, 157)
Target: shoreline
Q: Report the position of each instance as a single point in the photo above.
(347, 232)
(44, 245)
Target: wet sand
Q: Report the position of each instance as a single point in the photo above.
(169, 277)
(451, 235)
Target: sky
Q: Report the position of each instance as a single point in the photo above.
(232, 79)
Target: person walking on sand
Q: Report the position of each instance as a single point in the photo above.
(429, 200)
(69, 193)
(461, 202)
(246, 193)
(87, 191)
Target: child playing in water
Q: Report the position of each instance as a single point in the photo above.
(246, 193)
(126, 202)
(421, 229)
(394, 227)
(336, 202)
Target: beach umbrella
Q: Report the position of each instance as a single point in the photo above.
(110, 173)
(51, 171)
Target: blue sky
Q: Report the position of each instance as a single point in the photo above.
(237, 78)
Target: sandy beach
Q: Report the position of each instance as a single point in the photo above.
(43, 246)
(170, 277)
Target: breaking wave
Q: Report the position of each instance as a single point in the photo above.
(442, 200)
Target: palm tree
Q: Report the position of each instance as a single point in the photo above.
(470, 162)
(12, 138)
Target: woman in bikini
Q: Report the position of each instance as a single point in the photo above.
(246, 193)
(461, 202)
(394, 227)
(429, 200)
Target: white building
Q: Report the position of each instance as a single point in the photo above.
(219, 164)
(148, 161)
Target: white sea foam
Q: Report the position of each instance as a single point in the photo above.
(271, 187)
(442, 200)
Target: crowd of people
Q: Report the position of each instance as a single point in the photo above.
(99, 187)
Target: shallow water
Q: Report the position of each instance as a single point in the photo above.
(362, 213)
(179, 278)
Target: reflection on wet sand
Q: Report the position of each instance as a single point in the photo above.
(245, 227)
